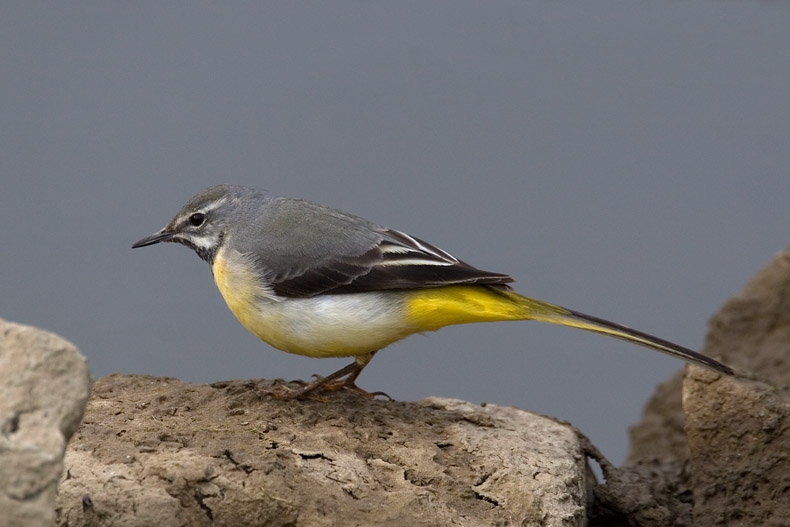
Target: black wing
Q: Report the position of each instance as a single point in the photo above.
(397, 261)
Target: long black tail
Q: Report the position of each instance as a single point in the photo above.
(553, 314)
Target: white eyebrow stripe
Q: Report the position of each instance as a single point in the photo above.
(217, 203)
(209, 207)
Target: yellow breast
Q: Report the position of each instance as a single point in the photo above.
(238, 283)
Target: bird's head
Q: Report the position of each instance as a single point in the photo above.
(207, 219)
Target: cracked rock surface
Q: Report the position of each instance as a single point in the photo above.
(158, 451)
(44, 387)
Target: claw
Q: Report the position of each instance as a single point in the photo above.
(342, 379)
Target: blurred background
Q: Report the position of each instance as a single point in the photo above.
(627, 160)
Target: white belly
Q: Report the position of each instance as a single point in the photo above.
(329, 325)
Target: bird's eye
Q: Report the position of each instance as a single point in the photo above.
(197, 219)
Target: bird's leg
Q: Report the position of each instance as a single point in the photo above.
(336, 380)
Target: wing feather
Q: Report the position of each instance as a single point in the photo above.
(397, 261)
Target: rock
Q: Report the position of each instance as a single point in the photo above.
(739, 437)
(44, 387)
(729, 436)
(750, 332)
(661, 435)
(158, 451)
(647, 495)
(738, 431)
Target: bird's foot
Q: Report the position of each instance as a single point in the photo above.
(316, 389)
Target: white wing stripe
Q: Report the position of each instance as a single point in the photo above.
(401, 244)
(413, 261)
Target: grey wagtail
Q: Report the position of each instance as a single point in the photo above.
(316, 281)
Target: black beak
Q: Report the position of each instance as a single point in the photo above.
(161, 236)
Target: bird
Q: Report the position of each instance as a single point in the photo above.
(316, 281)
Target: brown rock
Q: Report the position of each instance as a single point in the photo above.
(737, 430)
(739, 444)
(750, 332)
(158, 451)
(730, 434)
(660, 435)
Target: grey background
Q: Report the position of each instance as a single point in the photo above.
(625, 159)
